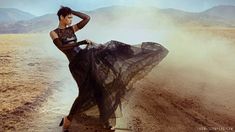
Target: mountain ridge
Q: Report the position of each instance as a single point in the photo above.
(215, 16)
(13, 15)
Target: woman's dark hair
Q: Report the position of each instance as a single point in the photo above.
(64, 11)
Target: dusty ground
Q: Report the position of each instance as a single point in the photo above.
(37, 90)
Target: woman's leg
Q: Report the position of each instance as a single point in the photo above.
(84, 100)
(100, 103)
(76, 105)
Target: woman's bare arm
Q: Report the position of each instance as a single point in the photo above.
(85, 19)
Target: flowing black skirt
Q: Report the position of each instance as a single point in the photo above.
(103, 71)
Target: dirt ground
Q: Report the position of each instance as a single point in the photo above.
(37, 90)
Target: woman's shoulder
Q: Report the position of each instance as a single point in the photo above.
(58, 32)
(54, 33)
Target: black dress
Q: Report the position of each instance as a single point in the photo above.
(103, 72)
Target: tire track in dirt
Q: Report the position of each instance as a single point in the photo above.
(190, 106)
(154, 108)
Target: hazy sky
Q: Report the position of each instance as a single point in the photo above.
(40, 7)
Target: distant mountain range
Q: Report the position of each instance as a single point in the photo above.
(16, 21)
(217, 16)
(12, 15)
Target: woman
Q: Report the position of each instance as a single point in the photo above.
(102, 72)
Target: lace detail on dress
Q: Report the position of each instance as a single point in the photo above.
(105, 73)
(68, 36)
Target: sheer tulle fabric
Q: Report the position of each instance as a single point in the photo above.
(103, 72)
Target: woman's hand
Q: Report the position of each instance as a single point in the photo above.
(85, 19)
(89, 42)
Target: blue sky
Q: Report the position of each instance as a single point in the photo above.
(40, 7)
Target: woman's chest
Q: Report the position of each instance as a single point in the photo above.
(67, 36)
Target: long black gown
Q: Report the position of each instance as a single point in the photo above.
(103, 72)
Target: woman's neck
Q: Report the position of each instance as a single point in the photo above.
(61, 25)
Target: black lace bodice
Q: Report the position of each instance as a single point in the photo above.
(67, 36)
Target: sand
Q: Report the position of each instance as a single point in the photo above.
(37, 90)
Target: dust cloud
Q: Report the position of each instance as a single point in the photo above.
(199, 65)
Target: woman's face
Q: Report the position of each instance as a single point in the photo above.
(67, 20)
